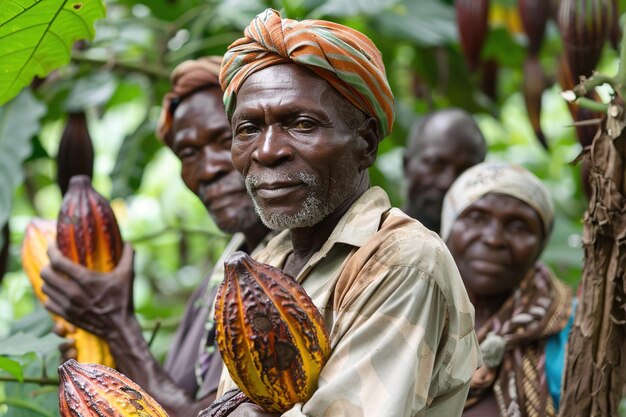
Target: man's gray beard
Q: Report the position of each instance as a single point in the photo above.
(313, 210)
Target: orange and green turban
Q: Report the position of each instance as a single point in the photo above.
(342, 56)
(187, 78)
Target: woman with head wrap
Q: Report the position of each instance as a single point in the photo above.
(194, 126)
(496, 220)
(309, 102)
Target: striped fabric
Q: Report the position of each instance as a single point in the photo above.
(187, 78)
(342, 56)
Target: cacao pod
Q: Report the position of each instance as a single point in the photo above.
(615, 32)
(472, 19)
(532, 89)
(271, 336)
(584, 27)
(534, 15)
(75, 156)
(37, 237)
(88, 234)
(92, 390)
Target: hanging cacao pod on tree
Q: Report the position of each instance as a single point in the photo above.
(584, 27)
(92, 390)
(534, 15)
(75, 156)
(88, 234)
(472, 19)
(532, 89)
(271, 336)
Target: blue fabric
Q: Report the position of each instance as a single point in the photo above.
(555, 358)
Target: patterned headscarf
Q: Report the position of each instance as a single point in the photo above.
(501, 178)
(187, 78)
(342, 56)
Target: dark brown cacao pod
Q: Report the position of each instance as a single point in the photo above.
(75, 156)
(472, 18)
(532, 89)
(534, 15)
(584, 27)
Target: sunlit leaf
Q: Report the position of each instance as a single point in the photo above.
(19, 122)
(37, 36)
(12, 367)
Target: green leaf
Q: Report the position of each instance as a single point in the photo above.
(12, 367)
(424, 22)
(19, 122)
(343, 8)
(136, 151)
(22, 343)
(37, 37)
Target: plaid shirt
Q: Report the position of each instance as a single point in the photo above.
(401, 324)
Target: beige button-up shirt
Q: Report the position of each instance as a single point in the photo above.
(400, 321)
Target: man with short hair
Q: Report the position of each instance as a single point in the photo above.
(440, 147)
(308, 103)
(194, 126)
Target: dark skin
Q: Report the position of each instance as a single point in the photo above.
(495, 242)
(102, 303)
(287, 121)
(440, 147)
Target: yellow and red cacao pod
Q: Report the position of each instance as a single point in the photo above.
(92, 390)
(88, 234)
(37, 237)
(534, 15)
(271, 336)
(472, 19)
(584, 27)
(75, 155)
(532, 89)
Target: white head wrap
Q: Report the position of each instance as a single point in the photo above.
(501, 178)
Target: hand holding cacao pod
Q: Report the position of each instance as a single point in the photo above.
(87, 234)
(271, 336)
(91, 390)
(95, 301)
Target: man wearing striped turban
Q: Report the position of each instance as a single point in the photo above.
(309, 102)
(497, 218)
(194, 126)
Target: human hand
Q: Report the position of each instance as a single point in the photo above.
(94, 301)
(67, 349)
(251, 410)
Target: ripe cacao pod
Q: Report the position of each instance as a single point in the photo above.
(532, 89)
(584, 27)
(472, 19)
(75, 155)
(271, 336)
(88, 234)
(92, 390)
(37, 237)
(534, 15)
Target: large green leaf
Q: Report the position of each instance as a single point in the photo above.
(12, 367)
(19, 122)
(23, 343)
(36, 37)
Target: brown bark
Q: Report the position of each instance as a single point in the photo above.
(595, 370)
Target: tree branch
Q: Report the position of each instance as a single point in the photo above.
(156, 73)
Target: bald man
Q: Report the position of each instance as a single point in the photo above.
(440, 147)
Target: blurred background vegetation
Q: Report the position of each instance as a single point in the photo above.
(118, 79)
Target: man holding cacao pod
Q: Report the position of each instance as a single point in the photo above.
(309, 103)
(194, 126)
(441, 145)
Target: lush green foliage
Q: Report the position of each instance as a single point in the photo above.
(119, 79)
(37, 37)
